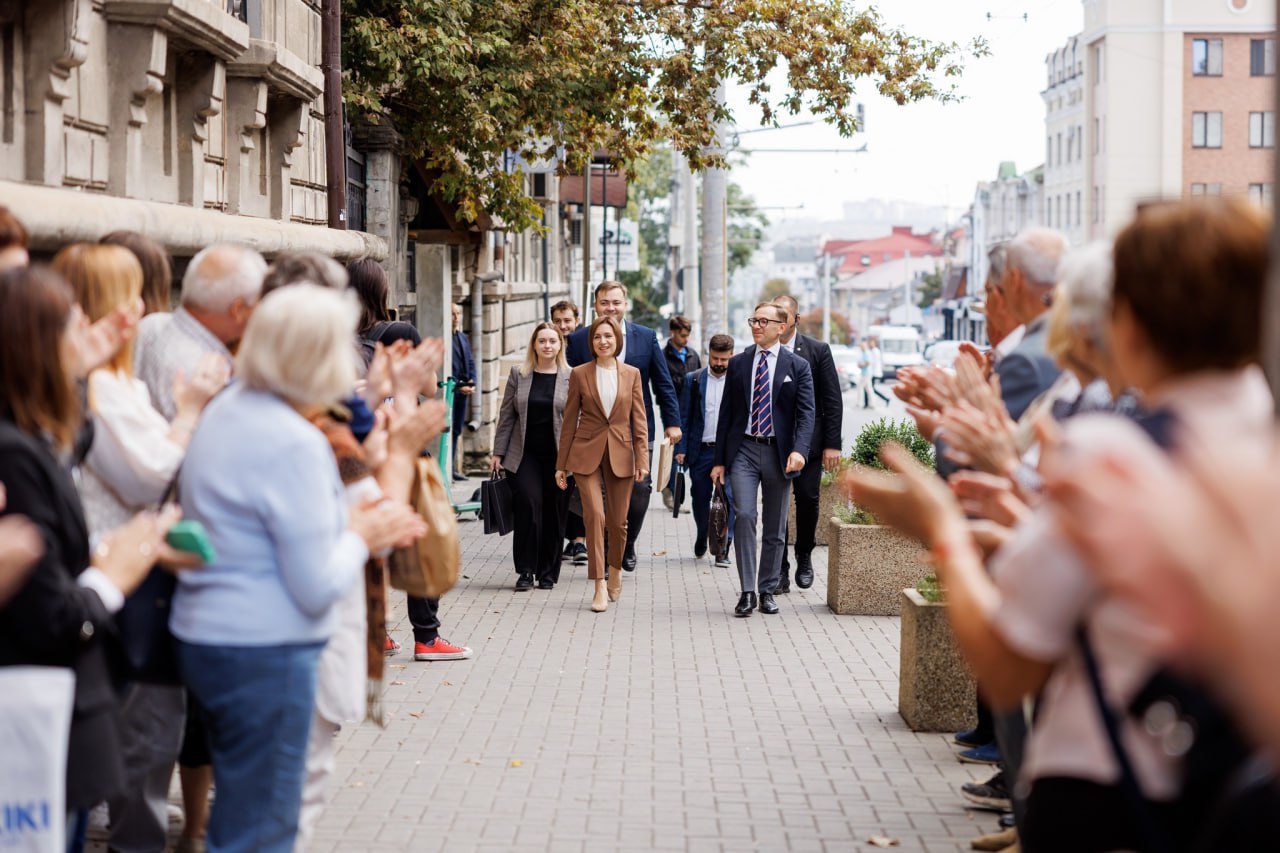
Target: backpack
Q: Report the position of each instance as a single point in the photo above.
(368, 342)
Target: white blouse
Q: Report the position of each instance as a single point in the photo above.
(132, 460)
(607, 383)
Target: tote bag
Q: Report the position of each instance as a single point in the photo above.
(495, 505)
(429, 567)
(35, 724)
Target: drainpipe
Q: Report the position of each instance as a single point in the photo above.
(335, 138)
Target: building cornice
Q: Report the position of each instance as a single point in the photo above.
(195, 22)
(282, 70)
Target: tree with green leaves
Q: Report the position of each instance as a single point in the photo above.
(466, 81)
(930, 288)
(773, 288)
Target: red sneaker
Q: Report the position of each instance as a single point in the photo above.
(440, 649)
(391, 647)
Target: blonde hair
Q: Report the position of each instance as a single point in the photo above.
(102, 278)
(531, 354)
(298, 345)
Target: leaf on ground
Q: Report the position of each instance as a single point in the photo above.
(515, 762)
(883, 841)
(447, 683)
(416, 713)
(397, 683)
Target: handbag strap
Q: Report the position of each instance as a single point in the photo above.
(1153, 836)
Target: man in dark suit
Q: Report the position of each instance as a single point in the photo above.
(827, 439)
(682, 361)
(464, 373)
(696, 449)
(640, 350)
(762, 439)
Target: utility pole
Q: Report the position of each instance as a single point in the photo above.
(826, 298)
(715, 184)
(689, 256)
(335, 136)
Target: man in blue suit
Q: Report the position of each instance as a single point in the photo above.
(696, 449)
(640, 350)
(762, 441)
(464, 373)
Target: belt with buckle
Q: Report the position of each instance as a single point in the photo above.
(762, 439)
(708, 444)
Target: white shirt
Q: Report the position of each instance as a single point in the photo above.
(711, 406)
(877, 362)
(755, 365)
(790, 346)
(607, 383)
(1010, 342)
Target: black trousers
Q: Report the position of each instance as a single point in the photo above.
(1076, 816)
(540, 509)
(805, 488)
(639, 507)
(424, 616)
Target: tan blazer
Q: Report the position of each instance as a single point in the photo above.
(513, 415)
(590, 434)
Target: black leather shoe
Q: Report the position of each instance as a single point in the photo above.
(524, 583)
(629, 559)
(767, 604)
(699, 547)
(804, 571)
(546, 583)
(746, 603)
(459, 478)
(784, 583)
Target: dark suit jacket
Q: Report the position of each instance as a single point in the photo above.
(52, 621)
(464, 365)
(1028, 371)
(680, 371)
(793, 407)
(644, 354)
(590, 436)
(695, 417)
(828, 399)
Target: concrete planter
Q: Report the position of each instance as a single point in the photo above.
(935, 691)
(828, 498)
(867, 567)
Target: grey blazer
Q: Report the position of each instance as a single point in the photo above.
(513, 415)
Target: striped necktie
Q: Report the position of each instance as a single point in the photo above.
(761, 399)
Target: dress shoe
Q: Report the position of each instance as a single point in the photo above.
(804, 571)
(546, 583)
(524, 583)
(600, 603)
(699, 547)
(614, 584)
(459, 478)
(746, 603)
(629, 558)
(784, 583)
(767, 604)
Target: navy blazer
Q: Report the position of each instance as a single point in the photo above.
(644, 354)
(464, 365)
(827, 393)
(695, 417)
(793, 407)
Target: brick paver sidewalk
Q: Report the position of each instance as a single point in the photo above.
(664, 724)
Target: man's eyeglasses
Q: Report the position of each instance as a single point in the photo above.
(761, 322)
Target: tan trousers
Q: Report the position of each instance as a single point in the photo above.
(616, 499)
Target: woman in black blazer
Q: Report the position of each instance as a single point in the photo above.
(61, 616)
(525, 444)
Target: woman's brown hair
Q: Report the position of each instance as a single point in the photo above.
(1194, 273)
(102, 279)
(157, 271)
(617, 334)
(36, 391)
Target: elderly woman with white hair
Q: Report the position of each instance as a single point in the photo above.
(251, 625)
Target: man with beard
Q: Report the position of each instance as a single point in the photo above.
(696, 450)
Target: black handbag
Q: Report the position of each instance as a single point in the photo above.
(143, 627)
(495, 505)
(677, 490)
(718, 534)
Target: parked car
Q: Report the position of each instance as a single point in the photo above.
(846, 361)
(899, 347)
(944, 353)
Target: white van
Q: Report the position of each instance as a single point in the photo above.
(899, 347)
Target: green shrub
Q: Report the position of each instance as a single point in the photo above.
(850, 514)
(866, 448)
(929, 589)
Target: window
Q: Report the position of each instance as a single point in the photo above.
(1206, 57)
(1059, 149)
(1262, 57)
(1260, 194)
(1078, 206)
(1066, 223)
(1096, 202)
(1262, 130)
(1099, 64)
(1048, 150)
(1057, 214)
(1206, 189)
(1206, 130)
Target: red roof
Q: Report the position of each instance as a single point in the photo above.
(860, 255)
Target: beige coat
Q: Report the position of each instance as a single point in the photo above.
(590, 434)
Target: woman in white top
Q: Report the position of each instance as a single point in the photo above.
(604, 443)
(1188, 291)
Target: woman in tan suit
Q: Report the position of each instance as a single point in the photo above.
(605, 445)
(526, 444)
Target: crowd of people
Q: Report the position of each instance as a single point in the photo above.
(1099, 528)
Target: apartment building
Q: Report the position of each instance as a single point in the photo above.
(1064, 155)
(1178, 101)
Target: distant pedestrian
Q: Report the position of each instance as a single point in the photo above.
(605, 444)
(464, 376)
(525, 444)
(765, 428)
(876, 360)
(698, 444)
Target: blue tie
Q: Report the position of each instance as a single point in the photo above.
(761, 402)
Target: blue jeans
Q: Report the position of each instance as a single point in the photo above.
(258, 702)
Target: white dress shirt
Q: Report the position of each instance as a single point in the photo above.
(711, 406)
(607, 384)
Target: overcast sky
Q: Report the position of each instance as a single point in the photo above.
(926, 153)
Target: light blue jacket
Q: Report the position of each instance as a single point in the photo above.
(264, 483)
